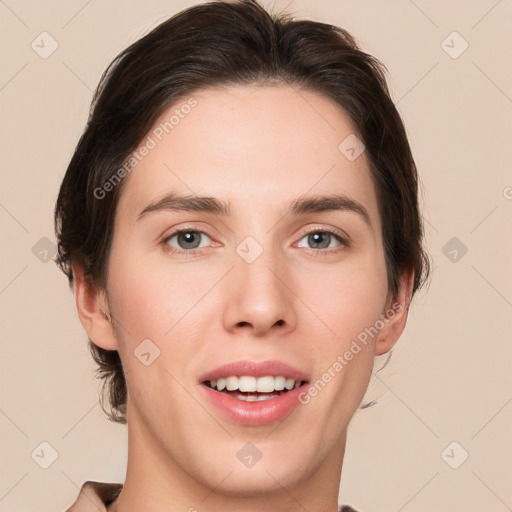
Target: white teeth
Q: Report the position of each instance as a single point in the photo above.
(279, 383)
(249, 384)
(231, 383)
(246, 383)
(265, 385)
(289, 384)
(255, 398)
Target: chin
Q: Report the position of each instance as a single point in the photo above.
(253, 483)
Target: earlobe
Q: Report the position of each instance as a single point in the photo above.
(92, 307)
(395, 314)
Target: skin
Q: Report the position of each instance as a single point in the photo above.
(258, 148)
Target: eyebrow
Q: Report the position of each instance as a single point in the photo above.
(300, 206)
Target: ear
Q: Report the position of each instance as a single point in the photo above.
(395, 314)
(92, 306)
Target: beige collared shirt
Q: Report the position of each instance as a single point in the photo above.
(95, 497)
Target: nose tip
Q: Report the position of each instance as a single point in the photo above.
(258, 300)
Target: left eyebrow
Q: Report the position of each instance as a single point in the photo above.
(333, 202)
(301, 206)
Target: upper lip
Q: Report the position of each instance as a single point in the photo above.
(255, 369)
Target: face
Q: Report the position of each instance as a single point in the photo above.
(284, 281)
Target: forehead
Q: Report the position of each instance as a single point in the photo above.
(253, 146)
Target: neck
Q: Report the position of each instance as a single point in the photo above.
(156, 483)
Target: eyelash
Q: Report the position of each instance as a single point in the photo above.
(199, 252)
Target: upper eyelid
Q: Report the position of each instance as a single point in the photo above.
(174, 231)
(337, 231)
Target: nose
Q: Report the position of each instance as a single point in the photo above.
(259, 297)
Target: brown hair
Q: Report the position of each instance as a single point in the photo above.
(223, 43)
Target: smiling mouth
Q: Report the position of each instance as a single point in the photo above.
(252, 389)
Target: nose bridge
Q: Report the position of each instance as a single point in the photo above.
(260, 267)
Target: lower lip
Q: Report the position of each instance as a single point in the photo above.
(264, 412)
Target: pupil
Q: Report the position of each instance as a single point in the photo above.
(187, 237)
(317, 238)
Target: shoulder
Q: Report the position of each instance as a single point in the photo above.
(95, 496)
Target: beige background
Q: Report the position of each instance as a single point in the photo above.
(450, 376)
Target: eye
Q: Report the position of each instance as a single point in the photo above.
(187, 240)
(323, 239)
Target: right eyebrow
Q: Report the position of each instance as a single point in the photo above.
(175, 202)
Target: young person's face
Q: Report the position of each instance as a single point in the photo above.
(302, 301)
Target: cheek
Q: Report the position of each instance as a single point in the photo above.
(161, 312)
(347, 298)
(152, 302)
(350, 305)
(156, 313)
